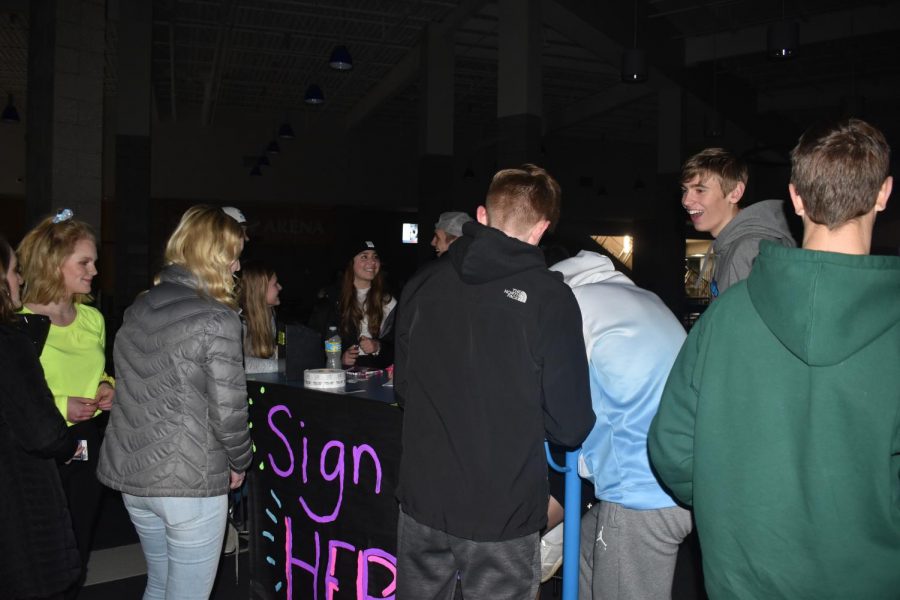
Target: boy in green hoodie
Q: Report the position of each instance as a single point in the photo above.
(780, 420)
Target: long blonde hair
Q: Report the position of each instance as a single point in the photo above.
(42, 253)
(206, 242)
(260, 338)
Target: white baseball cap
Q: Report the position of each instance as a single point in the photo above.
(235, 214)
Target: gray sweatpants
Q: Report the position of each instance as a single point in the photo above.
(428, 561)
(630, 554)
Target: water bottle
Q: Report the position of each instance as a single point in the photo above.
(333, 349)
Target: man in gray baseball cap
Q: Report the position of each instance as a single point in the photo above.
(447, 229)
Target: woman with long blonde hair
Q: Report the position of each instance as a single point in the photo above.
(58, 261)
(258, 297)
(178, 437)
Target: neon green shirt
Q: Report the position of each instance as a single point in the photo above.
(74, 357)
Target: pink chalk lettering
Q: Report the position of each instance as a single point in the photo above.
(294, 561)
(331, 582)
(379, 557)
(357, 453)
(305, 456)
(336, 473)
(279, 471)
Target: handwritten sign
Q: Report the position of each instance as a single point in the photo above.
(324, 518)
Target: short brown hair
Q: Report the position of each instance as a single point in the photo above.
(838, 168)
(518, 198)
(43, 251)
(719, 163)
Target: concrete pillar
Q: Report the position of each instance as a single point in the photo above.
(519, 109)
(435, 136)
(659, 239)
(132, 152)
(66, 47)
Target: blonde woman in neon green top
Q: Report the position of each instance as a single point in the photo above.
(58, 262)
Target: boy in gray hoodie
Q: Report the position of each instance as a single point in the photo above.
(712, 184)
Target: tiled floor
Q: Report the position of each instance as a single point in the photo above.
(117, 571)
(111, 564)
(227, 586)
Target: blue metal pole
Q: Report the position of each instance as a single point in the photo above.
(571, 528)
(572, 522)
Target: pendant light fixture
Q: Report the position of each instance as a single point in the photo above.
(783, 38)
(10, 114)
(340, 59)
(314, 95)
(634, 63)
(286, 132)
(273, 149)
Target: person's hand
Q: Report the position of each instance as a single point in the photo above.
(368, 345)
(80, 409)
(105, 395)
(237, 479)
(348, 358)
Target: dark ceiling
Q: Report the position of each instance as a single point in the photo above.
(260, 56)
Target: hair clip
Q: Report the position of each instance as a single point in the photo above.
(62, 215)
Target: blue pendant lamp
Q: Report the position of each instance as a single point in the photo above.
(340, 59)
(10, 114)
(314, 95)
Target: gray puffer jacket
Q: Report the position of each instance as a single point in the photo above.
(179, 419)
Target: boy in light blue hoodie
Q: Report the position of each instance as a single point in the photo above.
(630, 539)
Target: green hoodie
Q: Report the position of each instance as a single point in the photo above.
(780, 424)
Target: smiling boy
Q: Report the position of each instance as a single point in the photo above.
(712, 184)
(780, 420)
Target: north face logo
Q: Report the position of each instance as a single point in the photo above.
(516, 295)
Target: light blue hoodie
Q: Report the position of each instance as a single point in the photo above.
(632, 340)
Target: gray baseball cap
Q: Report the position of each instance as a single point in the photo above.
(452, 222)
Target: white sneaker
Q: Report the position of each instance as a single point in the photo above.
(551, 552)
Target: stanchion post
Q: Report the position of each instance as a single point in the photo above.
(571, 528)
(572, 522)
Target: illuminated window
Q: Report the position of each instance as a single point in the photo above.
(619, 246)
(698, 263)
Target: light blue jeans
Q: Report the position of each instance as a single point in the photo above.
(182, 542)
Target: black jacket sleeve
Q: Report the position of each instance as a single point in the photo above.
(26, 403)
(568, 414)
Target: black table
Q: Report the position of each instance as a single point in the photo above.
(323, 516)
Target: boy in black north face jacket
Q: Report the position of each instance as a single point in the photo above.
(490, 361)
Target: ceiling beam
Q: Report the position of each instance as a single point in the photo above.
(595, 105)
(664, 44)
(214, 81)
(408, 68)
(589, 37)
(864, 20)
